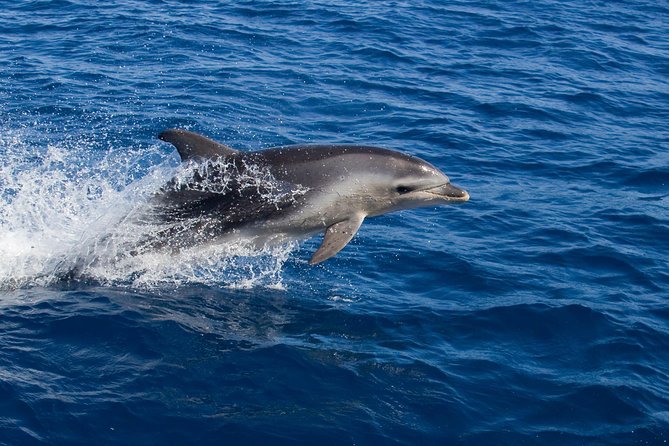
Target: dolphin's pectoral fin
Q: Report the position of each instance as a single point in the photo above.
(191, 145)
(336, 237)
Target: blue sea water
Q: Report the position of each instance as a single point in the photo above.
(535, 314)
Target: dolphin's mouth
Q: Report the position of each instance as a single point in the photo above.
(449, 192)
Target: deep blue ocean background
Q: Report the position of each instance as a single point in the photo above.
(535, 314)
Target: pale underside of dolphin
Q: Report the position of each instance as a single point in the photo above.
(290, 193)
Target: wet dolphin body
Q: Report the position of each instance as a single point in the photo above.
(300, 191)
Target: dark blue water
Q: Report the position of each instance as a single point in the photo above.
(535, 314)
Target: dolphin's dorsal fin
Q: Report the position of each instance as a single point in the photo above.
(191, 145)
(336, 237)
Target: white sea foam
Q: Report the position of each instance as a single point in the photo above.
(69, 207)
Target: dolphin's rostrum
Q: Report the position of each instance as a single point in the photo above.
(291, 193)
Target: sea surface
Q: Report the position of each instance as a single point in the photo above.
(535, 314)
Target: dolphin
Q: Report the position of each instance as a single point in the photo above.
(289, 193)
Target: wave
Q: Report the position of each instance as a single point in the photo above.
(72, 211)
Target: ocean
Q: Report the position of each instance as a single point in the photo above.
(537, 313)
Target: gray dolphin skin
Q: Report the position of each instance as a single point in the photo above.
(291, 193)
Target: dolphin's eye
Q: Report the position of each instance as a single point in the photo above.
(403, 189)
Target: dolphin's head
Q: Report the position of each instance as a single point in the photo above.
(362, 179)
(407, 182)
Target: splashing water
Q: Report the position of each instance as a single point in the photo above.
(69, 207)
